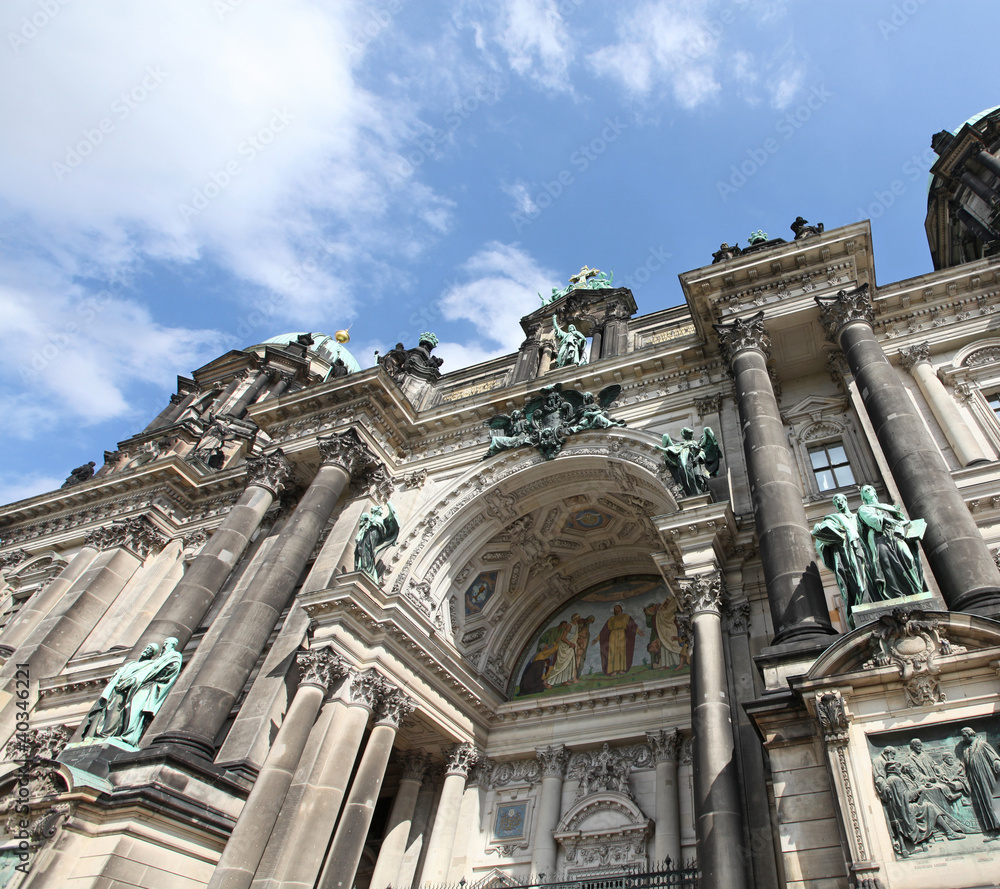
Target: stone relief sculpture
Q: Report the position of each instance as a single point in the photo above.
(891, 541)
(549, 418)
(377, 531)
(692, 463)
(572, 345)
(134, 695)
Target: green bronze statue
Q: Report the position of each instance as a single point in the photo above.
(572, 345)
(892, 542)
(692, 463)
(842, 550)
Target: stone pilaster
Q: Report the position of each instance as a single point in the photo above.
(956, 551)
(718, 818)
(916, 359)
(319, 669)
(553, 760)
(348, 844)
(666, 748)
(794, 587)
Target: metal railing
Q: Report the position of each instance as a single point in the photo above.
(663, 877)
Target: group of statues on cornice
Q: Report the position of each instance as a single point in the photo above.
(874, 553)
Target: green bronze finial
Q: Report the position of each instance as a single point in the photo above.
(757, 237)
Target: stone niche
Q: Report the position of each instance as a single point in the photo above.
(602, 833)
(906, 708)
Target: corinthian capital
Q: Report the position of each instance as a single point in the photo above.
(665, 746)
(414, 766)
(911, 356)
(835, 312)
(138, 535)
(461, 759)
(703, 592)
(320, 667)
(393, 707)
(346, 450)
(268, 471)
(741, 335)
(553, 760)
(368, 688)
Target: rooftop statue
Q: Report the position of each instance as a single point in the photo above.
(377, 531)
(80, 475)
(400, 361)
(550, 417)
(757, 237)
(892, 544)
(572, 345)
(726, 252)
(803, 230)
(134, 695)
(692, 463)
(586, 279)
(842, 549)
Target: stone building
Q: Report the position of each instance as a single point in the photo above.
(491, 626)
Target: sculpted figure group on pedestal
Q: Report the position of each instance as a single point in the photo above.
(692, 462)
(134, 695)
(377, 531)
(874, 553)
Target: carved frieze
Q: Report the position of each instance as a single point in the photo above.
(12, 559)
(37, 744)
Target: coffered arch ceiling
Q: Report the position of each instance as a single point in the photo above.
(532, 541)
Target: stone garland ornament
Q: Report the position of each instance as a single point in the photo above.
(378, 529)
(549, 418)
(134, 695)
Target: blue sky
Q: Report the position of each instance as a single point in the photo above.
(179, 179)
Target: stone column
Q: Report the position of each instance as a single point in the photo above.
(439, 850)
(393, 848)
(319, 669)
(526, 367)
(718, 822)
(214, 690)
(419, 829)
(977, 185)
(595, 345)
(249, 395)
(794, 588)
(916, 359)
(544, 848)
(958, 555)
(41, 603)
(666, 747)
(192, 597)
(989, 161)
(175, 407)
(308, 826)
(342, 862)
(545, 362)
(282, 380)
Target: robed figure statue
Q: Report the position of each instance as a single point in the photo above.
(692, 463)
(893, 545)
(842, 550)
(377, 531)
(134, 695)
(571, 345)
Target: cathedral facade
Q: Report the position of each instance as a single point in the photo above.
(706, 597)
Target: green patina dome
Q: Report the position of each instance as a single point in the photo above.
(324, 345)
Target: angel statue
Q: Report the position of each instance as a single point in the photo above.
(571, 344)
(507, 432)
(691, 462)
(377, 531)
(593, 412)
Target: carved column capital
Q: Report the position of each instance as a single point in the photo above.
(834, 720)
(461, 759)
(710, 404)
(414, 765)
(836, 312)
(346, 450)
(911, 356)
(738, 616)
(553, 760)
(138, 535)
(367, 688)
(393, 707)
(320, 667)
(703, 593)
(741, 335)
(665, 746)
(268, 471)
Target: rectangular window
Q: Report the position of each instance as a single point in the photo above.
(994, 403)
(830, 466)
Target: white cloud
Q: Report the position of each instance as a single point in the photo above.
(503, 287)
(534, 37)
(519, 193)
(21, 487)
